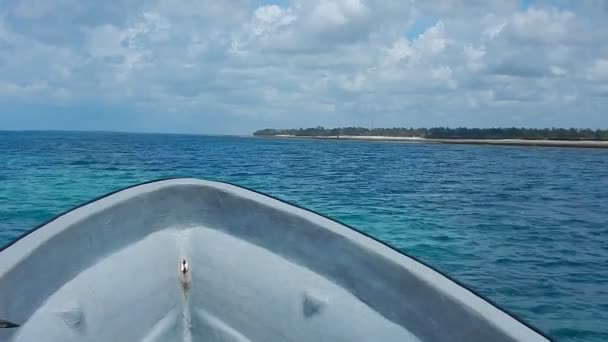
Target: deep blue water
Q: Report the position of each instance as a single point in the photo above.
(527, 227)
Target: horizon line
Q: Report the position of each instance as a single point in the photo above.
(119, 132)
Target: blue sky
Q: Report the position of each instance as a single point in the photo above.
(206, 66)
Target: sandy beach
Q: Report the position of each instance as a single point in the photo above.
(507, 142)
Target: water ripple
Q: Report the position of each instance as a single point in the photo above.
(526, 227)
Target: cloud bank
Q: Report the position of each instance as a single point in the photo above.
(235, 66)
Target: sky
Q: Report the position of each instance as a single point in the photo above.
(234, 66)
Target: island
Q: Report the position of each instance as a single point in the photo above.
(551, 137)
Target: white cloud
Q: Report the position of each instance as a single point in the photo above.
(493, 31)
(432, 41)
(557, 71)
(542, 26)
(271, 17)
(598, 71)
(444, 74)
(401, 50)
(474, 57)
(336, 13)
(327, 62)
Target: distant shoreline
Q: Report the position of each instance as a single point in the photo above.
(498, 142)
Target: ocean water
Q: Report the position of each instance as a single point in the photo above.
(526, 227)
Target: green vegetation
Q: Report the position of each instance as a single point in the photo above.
(447, 133)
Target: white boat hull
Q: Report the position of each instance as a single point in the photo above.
(257, 269)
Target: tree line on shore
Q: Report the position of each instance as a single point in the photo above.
(446, 133)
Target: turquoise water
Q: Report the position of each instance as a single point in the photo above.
(527, 227)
